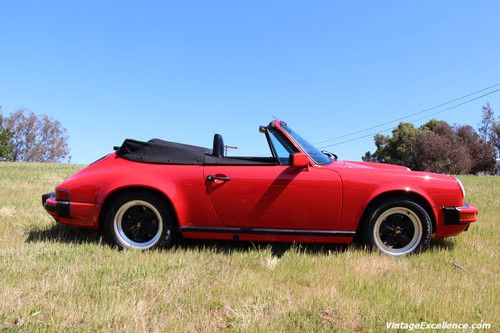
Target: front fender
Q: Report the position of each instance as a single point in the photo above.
(361, 190)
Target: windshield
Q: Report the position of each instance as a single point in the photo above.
(317, 156)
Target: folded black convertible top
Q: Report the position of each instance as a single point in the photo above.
(162, 152)
(165, 152)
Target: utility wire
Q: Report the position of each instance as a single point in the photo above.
(410, 115)
(426, 76)
(432, 114)
(444, 68)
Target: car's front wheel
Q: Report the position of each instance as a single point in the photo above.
(400, 227)
(138, 220)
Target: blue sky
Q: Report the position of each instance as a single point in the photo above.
(184, 70)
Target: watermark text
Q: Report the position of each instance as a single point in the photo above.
(392, 325)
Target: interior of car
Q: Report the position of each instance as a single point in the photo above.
(279, 147)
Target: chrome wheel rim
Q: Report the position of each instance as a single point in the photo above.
(397, 231)
(138, 224)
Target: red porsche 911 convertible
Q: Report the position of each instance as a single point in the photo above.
(147, 193)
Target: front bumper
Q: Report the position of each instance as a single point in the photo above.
(454, 220)
(460, 215)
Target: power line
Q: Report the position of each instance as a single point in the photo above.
(429, 74)
(408, 116)
(446, 67)
(432, 114)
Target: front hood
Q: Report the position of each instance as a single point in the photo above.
(390, 169)
(372, 165)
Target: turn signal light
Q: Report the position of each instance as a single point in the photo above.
(467, 217)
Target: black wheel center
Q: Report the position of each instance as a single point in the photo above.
(140, 224)
(396, 231)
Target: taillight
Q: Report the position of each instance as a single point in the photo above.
(62, 195)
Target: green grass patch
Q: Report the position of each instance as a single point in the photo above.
(58, 278)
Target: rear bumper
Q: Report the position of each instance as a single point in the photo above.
(71, 213)
(54, 207)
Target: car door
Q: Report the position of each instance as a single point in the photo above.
(275, 196)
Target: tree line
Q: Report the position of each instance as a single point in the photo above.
(436, 146)
(27, 137)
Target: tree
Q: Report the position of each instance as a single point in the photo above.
(489, 128)
(368, 157)
(5, 144)
(487, 124)
(439, 149)
(497, 135)
(36, 138)
(398, 148)
(482, 153)
(435, 147)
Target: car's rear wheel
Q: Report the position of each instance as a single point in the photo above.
(139, 220)
(399, 227)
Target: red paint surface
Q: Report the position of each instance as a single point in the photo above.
(328, 197)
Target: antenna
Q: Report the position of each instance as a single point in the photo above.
(266, 114)
(228, 147)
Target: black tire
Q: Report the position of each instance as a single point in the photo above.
(398, 227)
(139, 220)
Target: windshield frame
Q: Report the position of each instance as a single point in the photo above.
(314, 153)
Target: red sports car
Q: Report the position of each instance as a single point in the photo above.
(147, 193)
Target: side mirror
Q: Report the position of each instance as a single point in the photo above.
(299, 160)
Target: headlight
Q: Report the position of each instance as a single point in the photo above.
(461, 187)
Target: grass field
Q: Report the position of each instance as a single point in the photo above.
(60, 278)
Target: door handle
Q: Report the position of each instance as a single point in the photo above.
(212, 178)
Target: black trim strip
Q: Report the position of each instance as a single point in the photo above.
(451, 215)
(61, 208)
(259, 231)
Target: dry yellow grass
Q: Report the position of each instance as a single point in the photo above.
(57, 278)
